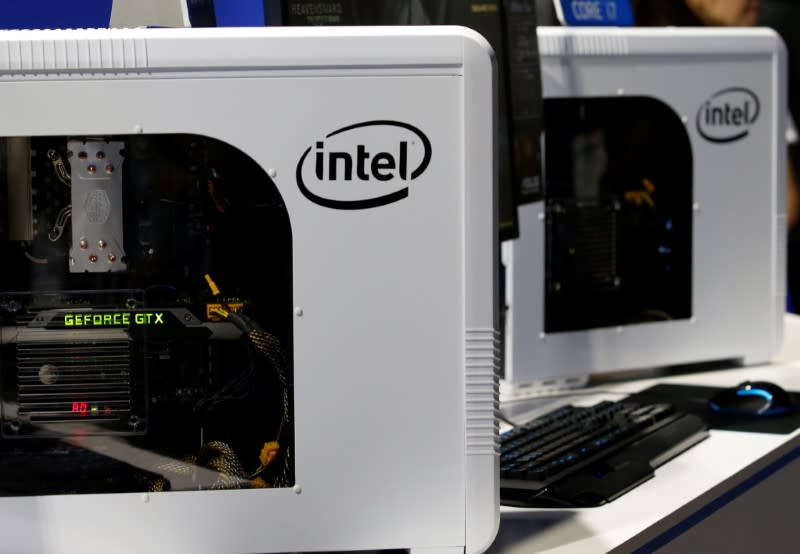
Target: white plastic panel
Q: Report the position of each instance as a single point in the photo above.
(381, 308)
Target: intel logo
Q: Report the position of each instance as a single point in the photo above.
(728, 115)
(364, 165)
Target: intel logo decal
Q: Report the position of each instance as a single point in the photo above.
(728, 115)
(364, 165)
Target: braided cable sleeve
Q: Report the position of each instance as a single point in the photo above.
(270, 347)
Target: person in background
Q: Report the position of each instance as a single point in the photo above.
(696, 13)
(737, 13)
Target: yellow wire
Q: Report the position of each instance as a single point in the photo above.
(212, 285)
(221, 312)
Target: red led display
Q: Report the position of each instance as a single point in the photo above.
(80, 408)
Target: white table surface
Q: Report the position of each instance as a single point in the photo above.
(702, 471)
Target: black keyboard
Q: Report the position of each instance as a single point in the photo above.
(588, 456)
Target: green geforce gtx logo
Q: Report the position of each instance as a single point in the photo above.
(113, 319)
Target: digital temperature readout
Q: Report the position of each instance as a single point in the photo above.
(80, 408)
(84, 409)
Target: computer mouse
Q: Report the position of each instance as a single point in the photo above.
(753, 398)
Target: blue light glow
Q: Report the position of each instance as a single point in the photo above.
(754, 392)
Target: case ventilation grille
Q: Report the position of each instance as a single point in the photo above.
(65, 382)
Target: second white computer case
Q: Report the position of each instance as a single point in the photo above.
(660, 238)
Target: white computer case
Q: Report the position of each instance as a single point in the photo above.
(394, 322)
(738, 204)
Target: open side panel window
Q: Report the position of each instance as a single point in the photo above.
(618, 201)
(145, 317)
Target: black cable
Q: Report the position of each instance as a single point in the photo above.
(504, 419)
(270, 347)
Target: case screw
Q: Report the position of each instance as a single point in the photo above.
(134, 421)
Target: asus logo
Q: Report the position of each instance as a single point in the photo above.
(728, 115)
(364, 165)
